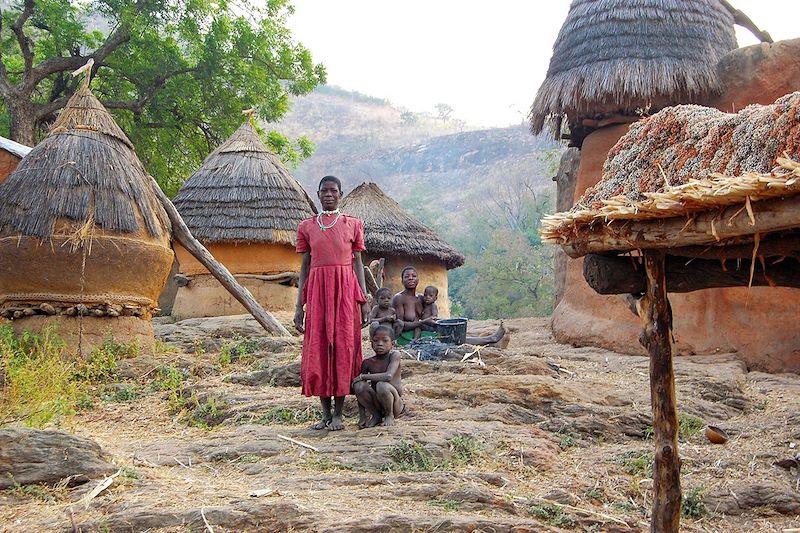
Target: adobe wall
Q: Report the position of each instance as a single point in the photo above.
(242, 258)
(430, 273)
(205, 296)
(8, 163)
(759, 323)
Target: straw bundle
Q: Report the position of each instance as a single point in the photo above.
(390, 230)
(614, 56)
(243, 193)
(716, 191)
(84, 172)
(693, 142)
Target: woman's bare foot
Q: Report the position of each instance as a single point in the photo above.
(388, 420)
(336, 423)
(322, 424)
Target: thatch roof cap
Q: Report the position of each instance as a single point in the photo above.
(388, 229)
(85, 170)
(243, 193)
(614, 56)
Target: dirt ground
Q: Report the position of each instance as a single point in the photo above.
(536, 437)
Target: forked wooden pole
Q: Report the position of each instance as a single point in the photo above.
(181, 233)
(657, 338)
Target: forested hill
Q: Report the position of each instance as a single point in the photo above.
(361, 138)
(484, 190)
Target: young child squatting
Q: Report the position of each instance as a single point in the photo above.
(378, 388)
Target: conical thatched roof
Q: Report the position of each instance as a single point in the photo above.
(84, 171)
(614, 56)
(390, 230)
(243, 193)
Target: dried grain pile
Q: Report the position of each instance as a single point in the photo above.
(691, 142)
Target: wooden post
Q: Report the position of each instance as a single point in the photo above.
(657, 338)
(181, 233)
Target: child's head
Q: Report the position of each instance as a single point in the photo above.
(384, 297)
(382, 339)
(430, 295)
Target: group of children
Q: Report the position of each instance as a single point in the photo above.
(378, 388)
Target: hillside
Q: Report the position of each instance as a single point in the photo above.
(482, 190)
(409, 155)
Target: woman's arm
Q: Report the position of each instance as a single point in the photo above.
(358, 266)
(299, 314)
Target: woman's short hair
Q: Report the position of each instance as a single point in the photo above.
(334, 179)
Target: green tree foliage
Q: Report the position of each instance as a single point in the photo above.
(175, 73)
(508, 271)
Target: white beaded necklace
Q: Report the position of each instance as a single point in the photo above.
(322, 226)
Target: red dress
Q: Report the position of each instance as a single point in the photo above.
(333, 298)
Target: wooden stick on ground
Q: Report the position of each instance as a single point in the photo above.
(299, 443)
(181, 233)
(657, 338)
(205, 521)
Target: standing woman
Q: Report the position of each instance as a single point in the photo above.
(332, 287)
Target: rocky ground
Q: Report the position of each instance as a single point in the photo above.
(536, 437)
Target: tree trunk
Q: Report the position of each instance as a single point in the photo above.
(657, 338)
(23, 120)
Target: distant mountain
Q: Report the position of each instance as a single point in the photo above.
(418, 159)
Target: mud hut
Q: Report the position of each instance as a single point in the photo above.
(84, 240)
(244, 206)
(692, 200)
(10, 154)
(614, 60)
(402, 240)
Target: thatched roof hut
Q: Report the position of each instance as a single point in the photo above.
(245, 206)
(388, 229)
(82, 232)
(243, 193)
(616, 56)
(394, 235)
(84, 171)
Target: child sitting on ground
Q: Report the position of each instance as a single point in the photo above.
(378, 388)
(384, 313)
(430, 313)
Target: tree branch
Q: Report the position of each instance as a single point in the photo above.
(137, 105)
(52, 65)
(22, 39)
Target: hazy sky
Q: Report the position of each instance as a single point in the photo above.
(486, 59)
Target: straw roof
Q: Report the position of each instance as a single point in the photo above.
(84, 171)
(690, 158)
(390, 230)
(243, 193)
(614, 56)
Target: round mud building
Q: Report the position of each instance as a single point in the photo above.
(84, 240)
(244, 206)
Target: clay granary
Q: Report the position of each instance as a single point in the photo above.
(759, 321)
(394, 235)
(244, 206)
(84, 240)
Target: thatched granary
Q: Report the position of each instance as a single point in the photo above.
(681, 169)
(393, 234)
(619, 57)
(244, 206)
(84, 241)
(10, 154)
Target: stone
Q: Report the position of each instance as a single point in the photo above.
(35, 456)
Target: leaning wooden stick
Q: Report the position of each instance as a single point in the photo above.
(181, 233)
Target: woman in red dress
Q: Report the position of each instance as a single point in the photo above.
(332, 287)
